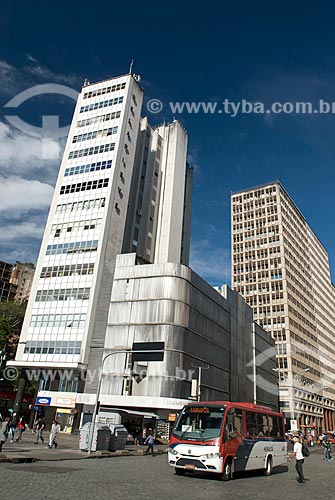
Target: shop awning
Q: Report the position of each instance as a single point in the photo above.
(144, 414)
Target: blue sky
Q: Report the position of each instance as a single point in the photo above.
(256, 51)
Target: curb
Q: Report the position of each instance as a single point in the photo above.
(26, 460)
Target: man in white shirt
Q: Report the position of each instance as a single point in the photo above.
(299, 459)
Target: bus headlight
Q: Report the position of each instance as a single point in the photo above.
(210, 455)
(172, 451)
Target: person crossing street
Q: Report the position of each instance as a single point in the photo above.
(299, 459)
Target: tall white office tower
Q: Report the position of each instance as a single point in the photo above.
(122, 186)
(282, 269)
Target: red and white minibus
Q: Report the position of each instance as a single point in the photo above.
(225, 437)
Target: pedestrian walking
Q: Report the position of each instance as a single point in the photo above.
(12, 427)
(327, 448)
(299, 459)
(310, 440)
(40, 425)
(4, 430)
(150, 441)
(321, 438)
(54, 434)
(137, 437)
(21, 427)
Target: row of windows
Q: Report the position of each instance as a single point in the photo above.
(77, 247)
(94, 150)
(91, 167)
(84, 186)
(52, 347)
(101, 104)
(98, 119)
(47, 384)
(81, 205)
(104, 90)
(257, 424)
(59, 320)
(263, 425)
(62, 294)
(69, 227)
(68, 270)
(95, 134)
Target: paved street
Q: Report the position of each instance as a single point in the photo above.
(146, 477)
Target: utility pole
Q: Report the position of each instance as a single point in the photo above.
(200, 368)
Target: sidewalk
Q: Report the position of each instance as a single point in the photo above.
(68, 449)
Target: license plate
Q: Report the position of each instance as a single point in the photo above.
(190, 466)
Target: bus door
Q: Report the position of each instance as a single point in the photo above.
(233, 435)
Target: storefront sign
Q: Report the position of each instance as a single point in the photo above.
(43, 401)
(65, 402)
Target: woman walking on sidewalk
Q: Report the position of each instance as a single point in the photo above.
(54, 434)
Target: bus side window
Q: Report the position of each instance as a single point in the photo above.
(262, 425)
(238, 422)
(251, 423)
(277, 427)
(233, 426)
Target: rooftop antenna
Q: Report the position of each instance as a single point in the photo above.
(131, 66)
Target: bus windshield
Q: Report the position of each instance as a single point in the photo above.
(199, 423)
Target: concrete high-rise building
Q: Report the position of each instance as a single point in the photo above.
(282, 270)
(122, 186)
(7, 289)
(22, 276)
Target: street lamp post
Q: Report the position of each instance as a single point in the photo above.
(96, 404)
(200, 368)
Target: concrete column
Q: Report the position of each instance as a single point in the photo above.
(21, 388)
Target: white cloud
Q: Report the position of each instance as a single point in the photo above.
(9, 77)
(210, 261)
(22, 254)
(19, 195)
(44, 73)
(15, 79)
(20, 151)
(13, 232)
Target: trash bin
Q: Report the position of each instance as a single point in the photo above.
(101, 438)
(118, 438)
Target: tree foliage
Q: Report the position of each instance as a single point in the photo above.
(11, 319)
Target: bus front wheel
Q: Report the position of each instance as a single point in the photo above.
(227, 471)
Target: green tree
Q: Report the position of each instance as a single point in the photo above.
(11, 319)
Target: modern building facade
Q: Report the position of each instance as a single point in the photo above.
(200, 329)
(122, 185)
(282, 270)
